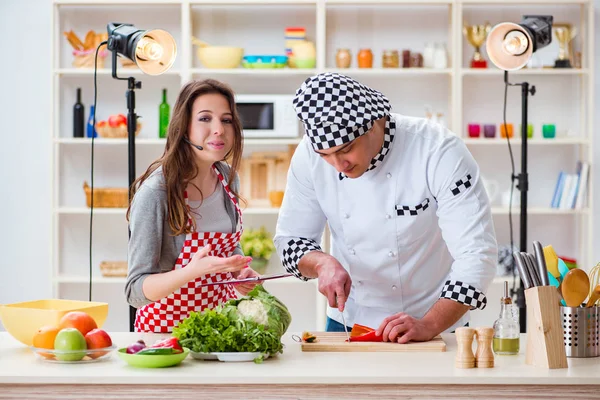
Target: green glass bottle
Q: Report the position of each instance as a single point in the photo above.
(163, 116)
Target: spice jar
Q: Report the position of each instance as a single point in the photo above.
(343, 58)
(416, 60)
(365, 58)
(390, 59)
(405, 58)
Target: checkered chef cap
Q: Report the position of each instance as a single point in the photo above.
(336, 109)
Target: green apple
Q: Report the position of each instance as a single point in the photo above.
(70, 339)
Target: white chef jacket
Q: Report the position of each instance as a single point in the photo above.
(415, 228)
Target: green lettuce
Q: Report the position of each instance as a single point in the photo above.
(225, 329)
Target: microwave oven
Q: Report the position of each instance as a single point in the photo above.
(267, 116)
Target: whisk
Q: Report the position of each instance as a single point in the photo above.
(594, 275)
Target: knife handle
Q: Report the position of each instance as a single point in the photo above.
(541, 262)
(522, 270)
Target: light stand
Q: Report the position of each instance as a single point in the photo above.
(510, 46)
(523, 185)
(154, 52)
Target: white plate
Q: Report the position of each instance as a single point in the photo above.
(203, 356)
(238, 357)
(227, 357)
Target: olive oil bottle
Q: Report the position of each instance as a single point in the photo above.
(506, 339)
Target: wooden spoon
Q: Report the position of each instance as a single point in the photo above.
(594, 296)
(575, 287)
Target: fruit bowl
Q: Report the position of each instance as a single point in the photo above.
(22, 320)
(74, 356)
(152, 360)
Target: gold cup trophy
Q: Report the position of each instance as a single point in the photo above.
(476, 35)
(565, 34)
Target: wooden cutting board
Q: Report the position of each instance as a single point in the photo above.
(336, 342)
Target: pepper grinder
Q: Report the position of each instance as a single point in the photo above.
(464, 354)
(484, 357)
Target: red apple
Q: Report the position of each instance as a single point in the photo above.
(116, 120)
(97, 339)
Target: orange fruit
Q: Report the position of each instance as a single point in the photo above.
(44, 339)
(79, 320)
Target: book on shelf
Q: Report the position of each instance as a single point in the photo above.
(570, 191)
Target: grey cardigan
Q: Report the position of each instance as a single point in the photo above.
(152, 246)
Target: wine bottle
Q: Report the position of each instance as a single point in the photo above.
(78, 116)
(91, 129)
(163, 113)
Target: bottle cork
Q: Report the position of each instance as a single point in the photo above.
(484, 356)
(464, 354)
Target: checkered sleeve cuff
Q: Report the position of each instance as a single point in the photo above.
(464, 293)
(294, 251)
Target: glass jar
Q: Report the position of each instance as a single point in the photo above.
(343, 58)
(365, 58)
(390, 59)
(507, 331)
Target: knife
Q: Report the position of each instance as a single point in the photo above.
(523, 271)
(252, 279)
(535, 280)
(345, 326)
(541, 261)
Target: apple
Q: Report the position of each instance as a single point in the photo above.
(97, 339)
(116, 120)
(70, 339)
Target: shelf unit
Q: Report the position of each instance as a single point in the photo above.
(461, 93)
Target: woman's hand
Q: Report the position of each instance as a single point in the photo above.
(244, 288)
(203, 264)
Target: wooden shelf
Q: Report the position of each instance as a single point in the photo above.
(534, 142)
(253, 72)
(525, 71)
(162, 142)
(85, 279)
(539, 211)
(71, 72)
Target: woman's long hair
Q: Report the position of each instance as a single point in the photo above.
(178, 160)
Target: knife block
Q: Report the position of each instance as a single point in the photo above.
(545, 345)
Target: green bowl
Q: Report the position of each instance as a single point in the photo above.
(152, 360)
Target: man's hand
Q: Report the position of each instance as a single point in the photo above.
(334, 283)
(403, 328)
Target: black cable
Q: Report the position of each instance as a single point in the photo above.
(512, 181)
(92, 166)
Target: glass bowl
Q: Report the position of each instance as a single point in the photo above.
(74, 356)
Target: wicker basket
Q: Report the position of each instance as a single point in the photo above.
(120, 131)
(107, 197)
(113, 268)
(85, 59)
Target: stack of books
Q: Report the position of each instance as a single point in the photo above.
(570, 191)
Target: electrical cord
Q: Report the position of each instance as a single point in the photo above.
(92, 165)
(512, 185)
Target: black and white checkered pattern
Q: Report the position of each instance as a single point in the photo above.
(412, 211)
(294, 251)
(461, 185)
(464, 293)
(336, 109)
(388, 138)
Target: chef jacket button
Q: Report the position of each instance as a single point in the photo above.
(389, 175)
(346, 216)
(391, 254)
(388, 216)
(394, 287)
(352, 252)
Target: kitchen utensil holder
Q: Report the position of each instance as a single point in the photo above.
(545, 343)
(581, 329)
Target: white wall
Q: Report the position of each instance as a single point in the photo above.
(25, 115)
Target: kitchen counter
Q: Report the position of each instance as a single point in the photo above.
(294, 374)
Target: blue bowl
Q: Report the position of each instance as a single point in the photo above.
(264, 61)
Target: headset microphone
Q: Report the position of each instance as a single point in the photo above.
(195, 145)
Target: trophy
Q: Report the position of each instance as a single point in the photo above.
(476, 35)
(565, 33)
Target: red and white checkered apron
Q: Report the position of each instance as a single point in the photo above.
(163, 315)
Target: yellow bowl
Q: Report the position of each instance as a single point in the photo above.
(220, 56)
(22, 320)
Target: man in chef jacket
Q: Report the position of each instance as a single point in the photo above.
(413, 243)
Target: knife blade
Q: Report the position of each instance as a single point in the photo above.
(535, 280)
(523, 271)
(541, 261)
(345, 326)
(245, 280)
